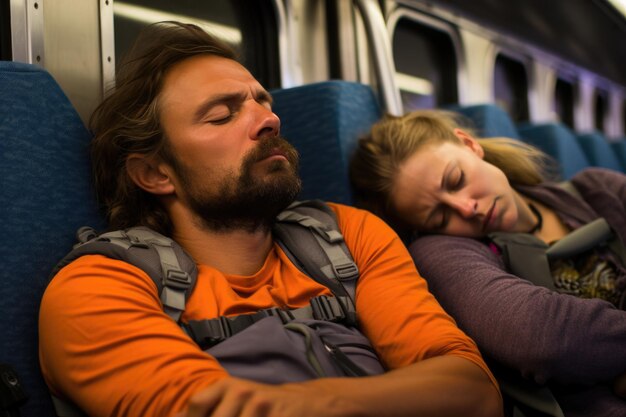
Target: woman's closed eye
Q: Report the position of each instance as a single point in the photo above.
(456, 180)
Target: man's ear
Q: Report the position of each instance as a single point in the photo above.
(149, 173)
(470, 141)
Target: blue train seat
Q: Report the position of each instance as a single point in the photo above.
(598, 151)
(559, 142)
(324, 121)
(488, 120)
(45, 195)
(619, 148)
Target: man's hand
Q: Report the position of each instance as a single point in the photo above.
(233, 397)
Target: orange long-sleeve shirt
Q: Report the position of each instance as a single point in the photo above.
(107, 345)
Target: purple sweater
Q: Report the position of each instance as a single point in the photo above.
(575, 345)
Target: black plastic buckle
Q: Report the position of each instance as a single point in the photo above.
(284, 315)
(326, 309)
(208, 333)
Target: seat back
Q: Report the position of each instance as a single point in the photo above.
(598, 151)
(45, 195)
(488, 120)
(324, 121)
(559, 142)
(619, 148)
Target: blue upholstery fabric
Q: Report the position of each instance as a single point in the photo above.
(324, 121)
(488, 120)
(619, 148)
(559, 142)
(45, 196)
(598, 151)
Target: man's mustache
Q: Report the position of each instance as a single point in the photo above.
(267, 147)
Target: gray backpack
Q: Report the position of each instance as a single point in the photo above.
(271, 345)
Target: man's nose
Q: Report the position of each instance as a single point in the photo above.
(266, 124)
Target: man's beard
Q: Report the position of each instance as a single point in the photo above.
(245, 202)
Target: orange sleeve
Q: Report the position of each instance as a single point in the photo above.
(105, 338)
(396, 311)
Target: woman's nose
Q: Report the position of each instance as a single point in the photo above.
(465, 206)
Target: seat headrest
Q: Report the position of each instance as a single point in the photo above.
(324, 121)
(598, 151)
(559, 142)
(488, 120)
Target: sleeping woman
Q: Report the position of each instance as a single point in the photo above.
(454, 194)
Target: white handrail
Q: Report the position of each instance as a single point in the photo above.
(380, 42)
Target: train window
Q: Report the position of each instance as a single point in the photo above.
(5, 31)
(426, 65)
(600, 109)
(511, 87)
(564, 101)
(248, 25)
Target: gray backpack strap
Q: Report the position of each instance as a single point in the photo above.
(309, 234)
(589, 236)
(210, 332)
(524, 255)
(173, 271)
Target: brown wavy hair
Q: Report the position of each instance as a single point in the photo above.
(394, 139)
(127, 120)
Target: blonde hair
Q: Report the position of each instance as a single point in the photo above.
(394, 139)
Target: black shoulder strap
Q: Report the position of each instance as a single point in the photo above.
(309, 234)
(173, 271)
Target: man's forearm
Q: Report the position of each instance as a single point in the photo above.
(441, 386)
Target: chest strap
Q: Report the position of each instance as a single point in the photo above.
(208, 333)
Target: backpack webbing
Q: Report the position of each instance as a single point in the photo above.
(308, 233)
(171, 269)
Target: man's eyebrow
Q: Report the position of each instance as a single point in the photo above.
(264, 96)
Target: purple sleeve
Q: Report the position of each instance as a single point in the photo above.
(605, 191)
(546, 335)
